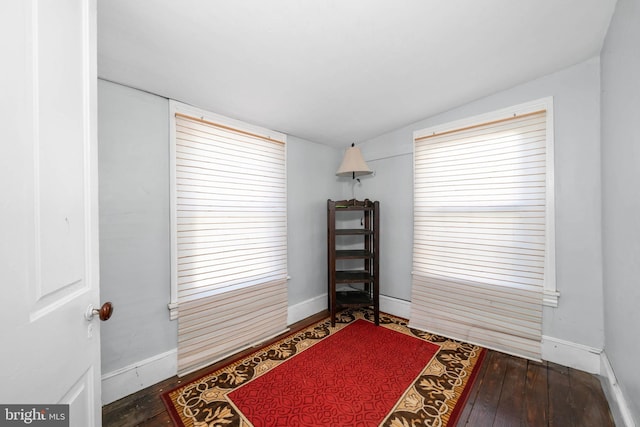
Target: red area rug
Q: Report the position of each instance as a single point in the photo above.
(355, 374)
(343, 380)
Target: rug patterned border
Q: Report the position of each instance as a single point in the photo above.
(431, 399)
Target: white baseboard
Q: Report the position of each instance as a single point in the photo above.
(617, 401)
(395, 306)
(307, 308)
(571, 354)
(137, 376)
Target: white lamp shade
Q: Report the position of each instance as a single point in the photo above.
(353, 164)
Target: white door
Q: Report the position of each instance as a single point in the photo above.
(49, 352)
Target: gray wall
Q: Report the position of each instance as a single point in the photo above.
(134, 222)
(576, 92)
(133, 158)
(310, 168)
(621, 196)
(134, 210)
(392, 185)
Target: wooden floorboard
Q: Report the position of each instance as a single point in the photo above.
(483, 412)
(508, 391)
(589, 408)
(510, 407)
(536, 399)
(559, 396)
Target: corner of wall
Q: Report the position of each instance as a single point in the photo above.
(137, 376)
(571, 354)
(297, 312)
(617, 401)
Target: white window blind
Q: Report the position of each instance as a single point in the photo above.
(479, 233)
(231, 239)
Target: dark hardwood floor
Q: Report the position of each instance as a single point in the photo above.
(508, 391)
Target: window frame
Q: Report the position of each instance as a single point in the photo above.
(550, 292)
(179, 107)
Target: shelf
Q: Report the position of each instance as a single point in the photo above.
(354, 277)
(354, 299)
(353, 205)
(353, 254)
(353, 232)
(353, 208)
(357, 283)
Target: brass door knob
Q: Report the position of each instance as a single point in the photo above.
(104, 312)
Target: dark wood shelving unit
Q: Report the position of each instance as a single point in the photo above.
(359, 286)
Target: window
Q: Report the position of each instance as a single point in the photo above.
(230, 235)
(483, 229)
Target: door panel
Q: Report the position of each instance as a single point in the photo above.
(58, 128)
(80, 398)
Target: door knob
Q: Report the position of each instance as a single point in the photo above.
(104, 312)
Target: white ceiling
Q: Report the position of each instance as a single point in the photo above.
(341, 71)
